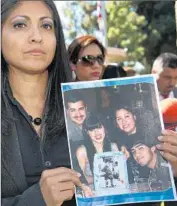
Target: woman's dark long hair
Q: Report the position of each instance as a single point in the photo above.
(91, 122)
(53, 118)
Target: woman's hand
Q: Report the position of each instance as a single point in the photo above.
(168, 148)
(57, 185)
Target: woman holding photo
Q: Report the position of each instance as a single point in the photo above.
(35, 165)
(96, 140)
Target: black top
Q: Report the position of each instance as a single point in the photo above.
(36, 158)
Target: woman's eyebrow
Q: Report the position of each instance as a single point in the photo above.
(20, 16)
(46, 17)
(27, 17)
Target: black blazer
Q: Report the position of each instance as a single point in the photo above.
(14, 187)
(13, 183)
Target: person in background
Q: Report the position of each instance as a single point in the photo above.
(114, 71)
(165, 67)
(35, 167)
(86, 56)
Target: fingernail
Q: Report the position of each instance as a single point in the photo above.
(162, 153)
(158, 146)
(160, 138)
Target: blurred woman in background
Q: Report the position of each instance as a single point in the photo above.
(86, 56)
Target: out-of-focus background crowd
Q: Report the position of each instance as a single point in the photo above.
(134, 32)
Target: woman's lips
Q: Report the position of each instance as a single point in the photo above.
(95, 74)
(35, 52)
(98, 137)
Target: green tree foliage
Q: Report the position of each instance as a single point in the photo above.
(89, 19)
(69, 12)
(160, 27)
(145, 28)
(83, 19)
(125, 28)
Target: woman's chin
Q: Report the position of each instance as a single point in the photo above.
(94, 78)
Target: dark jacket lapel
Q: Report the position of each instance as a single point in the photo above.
(12, 166)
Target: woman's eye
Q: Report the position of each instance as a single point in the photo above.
(47, 26)
(19, 25)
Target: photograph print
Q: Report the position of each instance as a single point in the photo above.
(112, 129)
(110, 174)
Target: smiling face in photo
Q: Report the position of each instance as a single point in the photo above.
(142, 154)
(97, 135)
(77, 112)
(126, 121)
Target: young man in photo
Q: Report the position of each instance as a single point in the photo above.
(76, 111)
(146, 155)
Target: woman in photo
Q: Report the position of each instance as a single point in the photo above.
(129, 131)
(96, 140)
(126, 122)
(86, 56)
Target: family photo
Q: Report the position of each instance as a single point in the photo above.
(110, 174)
(112, 129)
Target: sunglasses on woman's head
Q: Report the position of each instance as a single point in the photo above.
(90, 60)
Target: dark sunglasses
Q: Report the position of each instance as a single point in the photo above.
(90, 60)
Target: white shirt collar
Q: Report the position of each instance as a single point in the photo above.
(171, 95)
